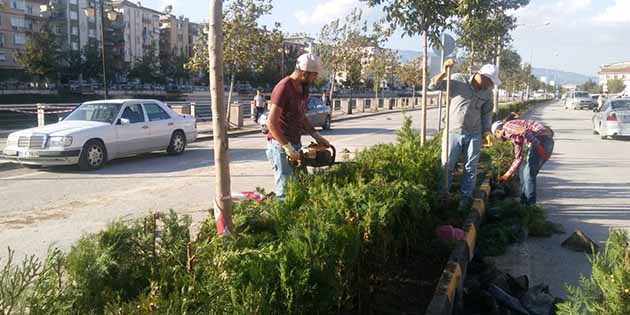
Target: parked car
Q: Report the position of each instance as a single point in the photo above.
(580, 100)
(318, 114)
(99, 131)
(613, 119)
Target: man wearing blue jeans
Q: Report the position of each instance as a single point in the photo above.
(288, 121)
(539, 138)
(470, 117)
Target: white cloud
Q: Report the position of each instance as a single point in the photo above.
(615, 14)
(328, 11)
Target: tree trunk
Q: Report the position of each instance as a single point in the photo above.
(229, 102)
(332, 87)
(425, 61)
(223, 194)
(472, 58)
(413, 91)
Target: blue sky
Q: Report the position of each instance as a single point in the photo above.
(583, 34)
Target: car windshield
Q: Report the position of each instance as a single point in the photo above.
(581, 94)
(621, 104)
(102, 112)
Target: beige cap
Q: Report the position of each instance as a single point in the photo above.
(310, 63)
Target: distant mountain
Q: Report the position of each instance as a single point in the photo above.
(407, 56)
(562, 77)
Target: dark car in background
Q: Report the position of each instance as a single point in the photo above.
(318, 114)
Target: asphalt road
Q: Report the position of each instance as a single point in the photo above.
(54, 207)
(584, 186)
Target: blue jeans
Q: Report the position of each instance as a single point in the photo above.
(468, 144)
(280, 164)
(530, 168)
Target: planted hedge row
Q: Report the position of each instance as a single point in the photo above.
(341, 243)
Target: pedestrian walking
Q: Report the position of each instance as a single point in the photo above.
(326, 98)
(259, 105)
(539, 139)
(288, 120)
(470, 117)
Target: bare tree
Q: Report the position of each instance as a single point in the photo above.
(222, 200)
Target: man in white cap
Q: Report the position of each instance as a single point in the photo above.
(470, 117)
(287, 119)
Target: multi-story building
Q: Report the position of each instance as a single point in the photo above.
(141, 30)
(74, 24)
(175, 35)
(619, 70)
(18, 20)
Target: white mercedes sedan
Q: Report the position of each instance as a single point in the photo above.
(99, 131)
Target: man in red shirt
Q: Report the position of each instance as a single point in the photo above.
(287, 119)
(540, 141)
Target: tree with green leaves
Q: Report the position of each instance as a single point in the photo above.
(147, 68)
(345, 43)
(485, 29)
(410, 74)
(590, 86)
(429, 18)
(382, 64)
(40, 57)
(615, 86)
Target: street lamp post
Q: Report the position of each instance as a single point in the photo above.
(112, 16)
(531, 56)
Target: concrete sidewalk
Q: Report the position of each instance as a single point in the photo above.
(205, 130)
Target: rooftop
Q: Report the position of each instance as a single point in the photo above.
(619, 67)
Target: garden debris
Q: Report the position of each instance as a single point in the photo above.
(488, 290)
(505, 299)
(538, 300)
(579, 242)
(449, 233)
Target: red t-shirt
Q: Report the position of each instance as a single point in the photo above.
(293, 104)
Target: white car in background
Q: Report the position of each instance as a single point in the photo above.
(613, 119)
(99, 131)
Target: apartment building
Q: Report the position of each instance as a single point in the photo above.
(141, 30)
(175, 35)
(18, 20)
(619, 70)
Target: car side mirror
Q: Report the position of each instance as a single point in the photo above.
(124, 121)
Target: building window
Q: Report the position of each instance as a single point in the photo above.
(19, 39)
(75, 30)
(17, 22)
(17, 5)
(92, 33)
(1, 40)
(75, 46)
(74, 15)
(3, 57)
(74, 1)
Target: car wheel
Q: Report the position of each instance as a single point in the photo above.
(93, 156)
(177, 144)
(327, 123)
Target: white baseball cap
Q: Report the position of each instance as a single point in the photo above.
(496, 125)
(490, 71)
(310, 63)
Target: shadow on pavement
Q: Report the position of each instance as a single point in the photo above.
(160, 162)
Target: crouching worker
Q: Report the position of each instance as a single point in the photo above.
(539, 138)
